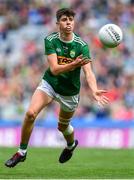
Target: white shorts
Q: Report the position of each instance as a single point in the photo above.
(67, 103)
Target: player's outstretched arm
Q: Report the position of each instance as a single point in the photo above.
(98, 94)
(57, 69)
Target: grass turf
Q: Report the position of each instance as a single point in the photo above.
(42, 163)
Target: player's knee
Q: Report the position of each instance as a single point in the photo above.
(66, 130)
(62, 127)
(30, 115)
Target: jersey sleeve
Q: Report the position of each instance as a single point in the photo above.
(86, 52)
(49, 48)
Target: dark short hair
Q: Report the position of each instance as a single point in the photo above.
(64, 11)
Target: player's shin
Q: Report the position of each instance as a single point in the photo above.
(68, 132)
(26, 131)
(69, 136)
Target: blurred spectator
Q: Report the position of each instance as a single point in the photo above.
(23, 26)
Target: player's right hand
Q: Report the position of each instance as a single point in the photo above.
(81, 61)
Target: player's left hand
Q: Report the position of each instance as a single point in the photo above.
(101, 99)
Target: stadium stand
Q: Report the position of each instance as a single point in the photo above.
(23, 26)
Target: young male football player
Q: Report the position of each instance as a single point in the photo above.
(66, 54)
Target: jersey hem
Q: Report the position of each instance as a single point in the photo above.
(73, 94)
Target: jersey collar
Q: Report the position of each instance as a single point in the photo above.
(66, 41)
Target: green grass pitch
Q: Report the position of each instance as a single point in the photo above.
(42, 163)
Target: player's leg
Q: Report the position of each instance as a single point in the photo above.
(39, 100)
(67, 130)
(65, 127)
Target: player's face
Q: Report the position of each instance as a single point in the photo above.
(66, 24)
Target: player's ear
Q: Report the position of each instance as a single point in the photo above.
(57, 23)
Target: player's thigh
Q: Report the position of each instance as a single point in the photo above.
(39, 101)
(65, 114)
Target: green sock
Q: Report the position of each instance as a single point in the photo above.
(23, 146)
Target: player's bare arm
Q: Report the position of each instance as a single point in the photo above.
(98, 94)
(57, 69)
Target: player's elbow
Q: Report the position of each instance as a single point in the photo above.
(54, 71)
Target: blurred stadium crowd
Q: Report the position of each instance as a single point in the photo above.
(23, 26)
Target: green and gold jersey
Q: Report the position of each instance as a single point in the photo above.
(67, 83)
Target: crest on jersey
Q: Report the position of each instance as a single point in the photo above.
(72, 53)
(58, 49)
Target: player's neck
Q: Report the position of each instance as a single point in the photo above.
(66, 37)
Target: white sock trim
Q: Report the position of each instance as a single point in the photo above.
(22, 151)
(70, 147)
